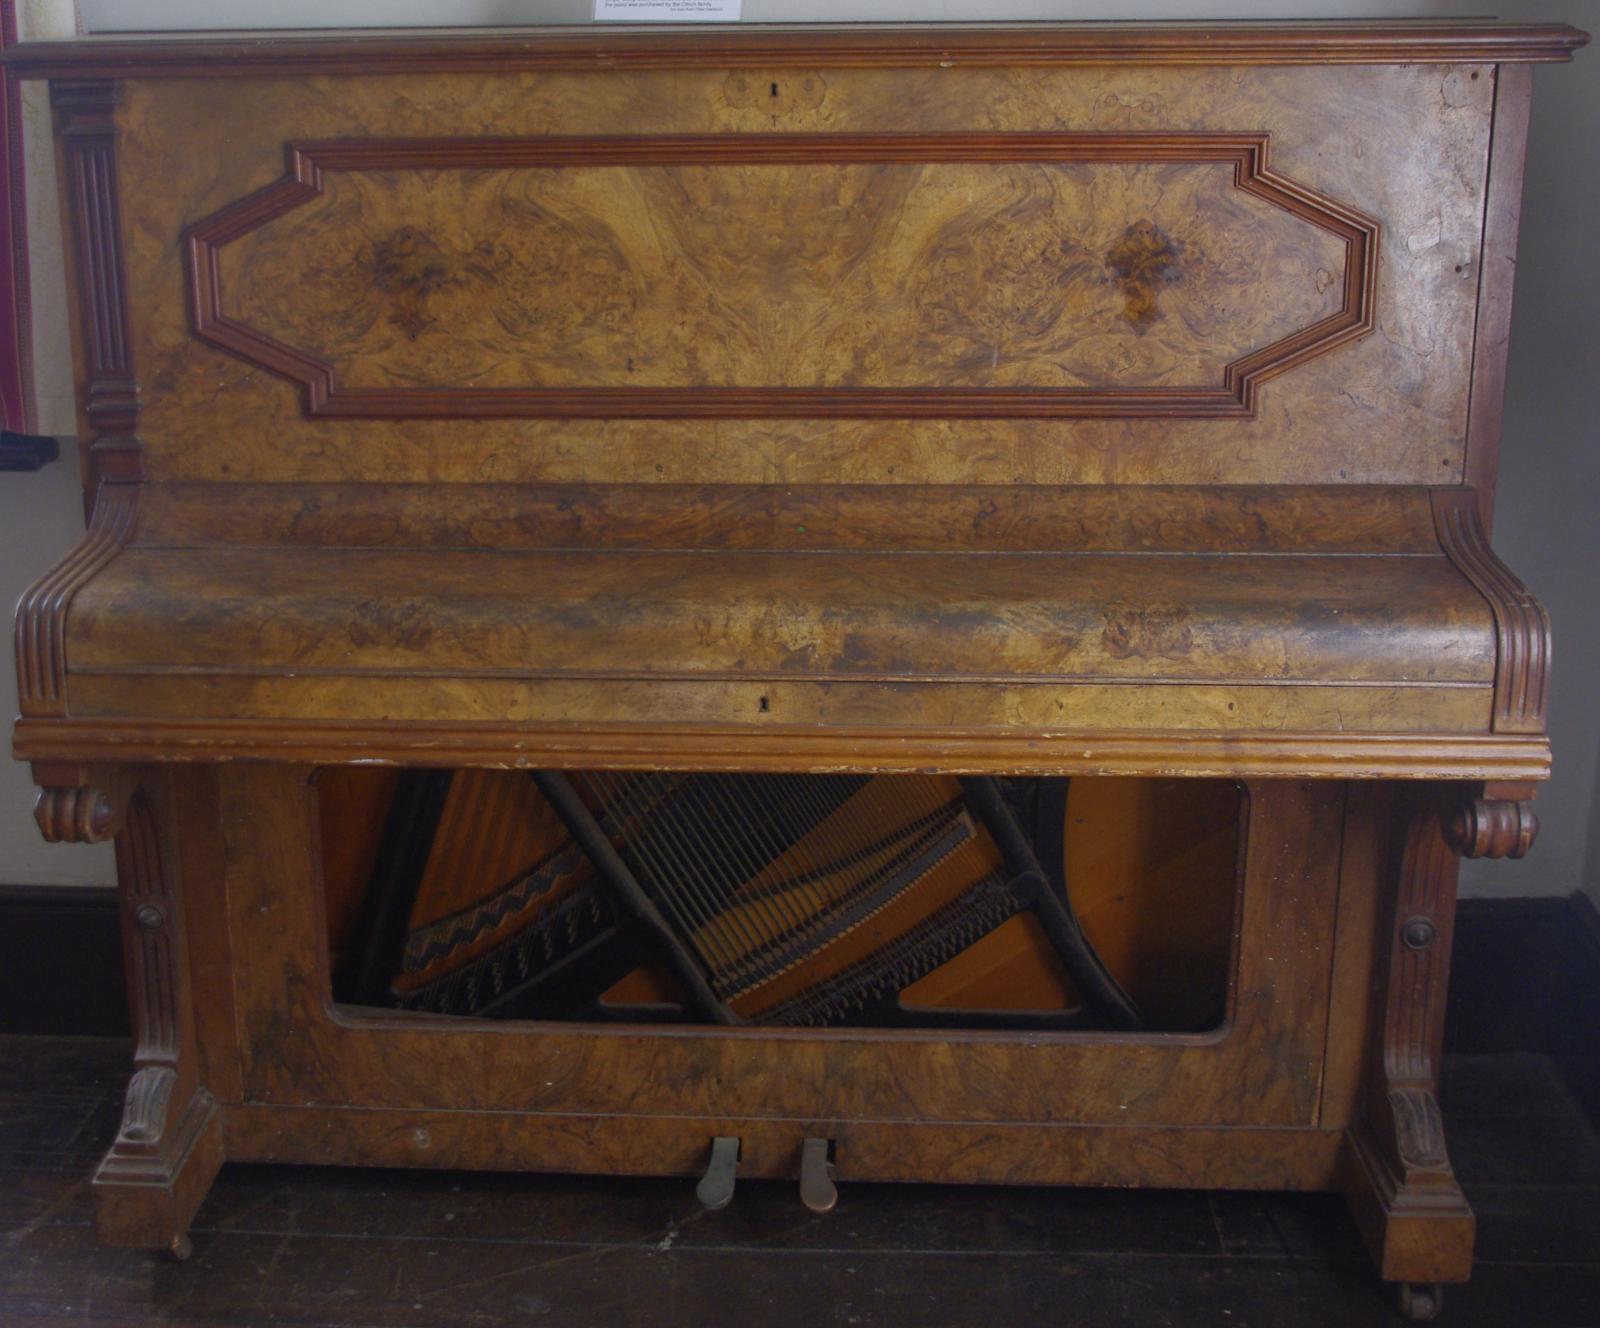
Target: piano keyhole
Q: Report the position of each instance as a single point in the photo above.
(764, 705)
(774, 89)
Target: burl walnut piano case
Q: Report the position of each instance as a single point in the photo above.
(1087, 402)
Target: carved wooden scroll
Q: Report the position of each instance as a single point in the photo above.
(41, 620)
(1493, 828)
(85, 815)
(1522, 627)
(941, 275)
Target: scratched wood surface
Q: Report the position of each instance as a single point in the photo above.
(1405, 145)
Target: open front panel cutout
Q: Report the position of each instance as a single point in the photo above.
(782, 900)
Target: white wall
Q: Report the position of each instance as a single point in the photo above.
(177, 15)
(1546, 526)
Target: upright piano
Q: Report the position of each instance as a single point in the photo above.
(583, 523)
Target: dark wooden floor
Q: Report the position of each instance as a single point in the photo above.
(310, 1246)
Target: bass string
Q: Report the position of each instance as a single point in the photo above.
(640, 846)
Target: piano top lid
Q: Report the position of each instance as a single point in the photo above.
(780, 46)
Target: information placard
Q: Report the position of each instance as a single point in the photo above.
(667, 11)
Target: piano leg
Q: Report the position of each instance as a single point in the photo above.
(169, 1146)
(1396, 1171)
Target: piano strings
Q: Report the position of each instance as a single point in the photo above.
(781, 899)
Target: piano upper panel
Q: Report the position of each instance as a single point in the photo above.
(1067, 405)
(958, 276)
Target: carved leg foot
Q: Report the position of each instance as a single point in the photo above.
(1397, 1176)
(149, 1185)
(169, 1147)
(1415, 1220)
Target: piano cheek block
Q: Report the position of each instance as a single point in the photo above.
(955, 449)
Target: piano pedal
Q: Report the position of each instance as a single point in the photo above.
(817, 1190)
(715, 1189)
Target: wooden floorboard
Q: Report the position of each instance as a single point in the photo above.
(310, 1246)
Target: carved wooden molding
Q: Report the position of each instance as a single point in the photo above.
(1419, 948)
(1522, 627)
(41, 617)
(86, 113)
(144, 1108)
(324, 397)
(1419, 1129)
(152, 929)
(1492, 828)
(899, 47)
(82, 815)
(760, 747)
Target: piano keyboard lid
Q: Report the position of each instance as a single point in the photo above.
(1338, 630)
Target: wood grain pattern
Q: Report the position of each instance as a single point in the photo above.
(1063, 1153)
(1365, 863)
(643, 616)
(198, 859)
(1152, 867)
(791, 276)
(770, 47)
(995, 518)
(1045, 643)
(1270, 722)
(353, 805)
(1388, 407)
(1491, 343)
(1012, 968)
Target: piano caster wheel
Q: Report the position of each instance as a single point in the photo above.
(817, 1190)
(715, 1189)
(1421, 1301)
(180, 1249)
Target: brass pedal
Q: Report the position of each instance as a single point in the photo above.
(817, 1190)
(715, 1189)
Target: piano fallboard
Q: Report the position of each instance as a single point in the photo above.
(1030, 620)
